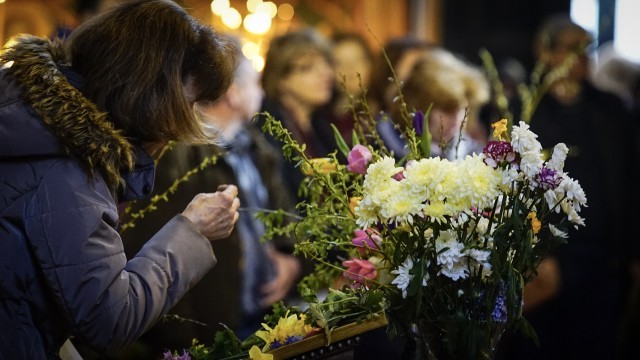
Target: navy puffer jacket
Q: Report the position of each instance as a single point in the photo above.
(63, 271)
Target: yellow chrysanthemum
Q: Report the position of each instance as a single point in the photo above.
(401, 207)
(381, 171)
(535, 223)
(437, 210)
(482, 182)
(422, 175)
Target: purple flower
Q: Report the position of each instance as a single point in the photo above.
(547, 179)
(499, 313)
(418, 122)
(358, 158)
(292, 339)
(168, 355)
(498, 153)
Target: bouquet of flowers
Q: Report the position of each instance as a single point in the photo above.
(449, 244)
(442, 248)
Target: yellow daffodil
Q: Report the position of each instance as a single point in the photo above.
(500, 129)
(256, 354)
(290, 328)
(320, 165)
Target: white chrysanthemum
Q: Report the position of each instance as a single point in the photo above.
(558, 157)
(482, 226)
(531, 163)
(451, 262)
(366, 213)
(574, 192)
(377, 188)
(478, 258)
(552, 197)
(569, 208)
(404, 277)
(557, 232)
(524, 140)
(381, 171)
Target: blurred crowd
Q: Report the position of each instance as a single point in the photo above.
(585, 301)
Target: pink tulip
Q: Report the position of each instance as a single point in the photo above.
(359, 270)
(358, 158)
(366, 239)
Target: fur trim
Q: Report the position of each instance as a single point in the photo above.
(83, 129)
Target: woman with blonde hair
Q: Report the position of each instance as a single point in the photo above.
(456, 91)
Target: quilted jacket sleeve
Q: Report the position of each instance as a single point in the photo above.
(109, 300)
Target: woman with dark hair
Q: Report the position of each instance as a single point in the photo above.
(354, 61)
(79, 122)
(298, 81)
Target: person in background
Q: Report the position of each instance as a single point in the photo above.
(298, 80)
(575, 303)
(402, 53)
(251, 276)
(455, 89)
(353, 60)
(615, 74)
(79, 122)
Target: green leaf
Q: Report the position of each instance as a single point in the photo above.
(425, 140)
(342, 145)
(527, 330)
(354, 137)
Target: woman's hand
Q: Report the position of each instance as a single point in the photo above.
(214, 214)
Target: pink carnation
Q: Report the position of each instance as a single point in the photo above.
(358, 158)
(359, 270)
(499, 153)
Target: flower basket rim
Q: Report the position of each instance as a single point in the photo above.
(321, 339)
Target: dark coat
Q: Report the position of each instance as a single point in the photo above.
(319, 142)
(63, 270)
(216, 299)
(602, 158)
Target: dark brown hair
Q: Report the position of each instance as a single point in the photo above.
(284, 50)
(137, 56)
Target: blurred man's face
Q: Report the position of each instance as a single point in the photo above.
(251, 91)
(570, 43)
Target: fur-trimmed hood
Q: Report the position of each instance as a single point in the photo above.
(36, 72)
